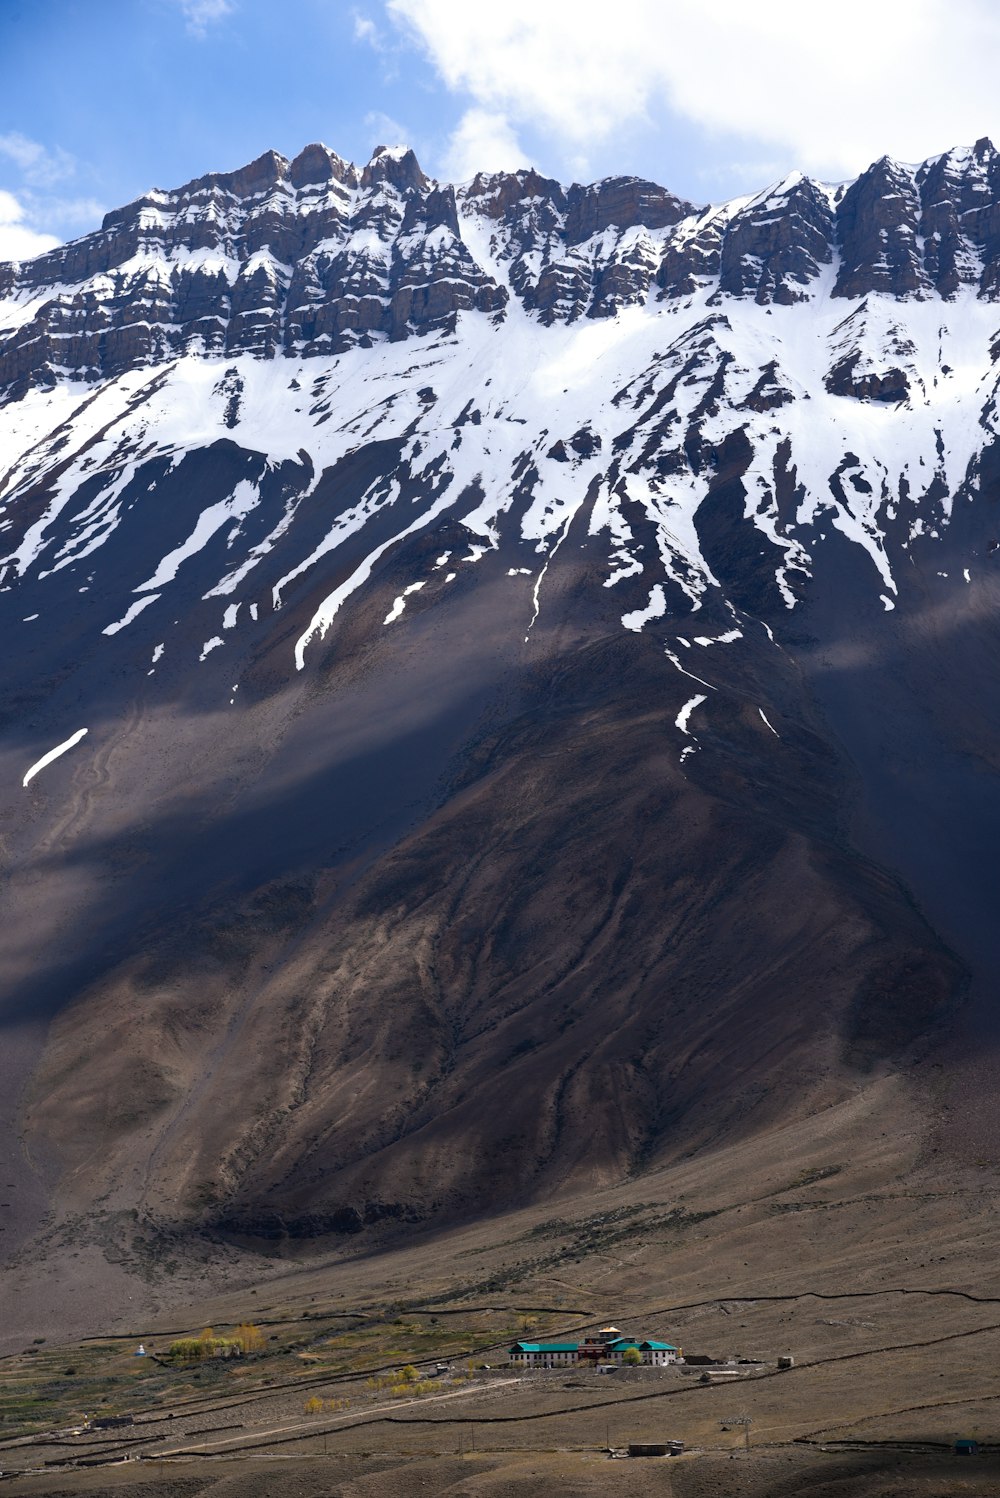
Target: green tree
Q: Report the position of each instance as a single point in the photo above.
(631, 1357)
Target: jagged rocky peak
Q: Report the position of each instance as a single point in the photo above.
(316, 165)
(529, 213)
(915, 231)
(500, 195)
(620, 203)
(270, 204)
(770, 246)
(316, 255)
(434, 276)
(878, 220)
(692, 254)
(579, 250)
(311, 254)
(963, 177)
(259, 176)
(777, 244)
(580, 211)
(959, 194)
(526, 214)
(397, 166)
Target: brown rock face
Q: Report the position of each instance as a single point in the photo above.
(277, 256)
(878, 221)
(933, 230)
(316, 165)
(400, 170)
(960, 194)
(777, 244)
(315, 256)
(579, 251)
(620, 203)
(499, 195)
(691, 259)
(885, 385)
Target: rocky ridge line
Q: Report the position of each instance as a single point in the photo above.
(315, 256)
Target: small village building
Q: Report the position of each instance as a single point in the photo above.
(617, 1349)
(653, 1354)
(658, 1354)
(543, 1354)
(606, 1348)
(593, 1349)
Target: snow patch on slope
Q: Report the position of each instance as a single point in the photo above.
(53, 754)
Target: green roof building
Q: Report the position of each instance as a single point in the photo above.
(544, 1354)
(592, 1351)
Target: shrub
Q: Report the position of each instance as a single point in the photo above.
(208, 1345)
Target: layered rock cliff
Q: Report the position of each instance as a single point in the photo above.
(314, 256)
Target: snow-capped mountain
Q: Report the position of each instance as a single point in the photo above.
(501, 617)
(539, 355)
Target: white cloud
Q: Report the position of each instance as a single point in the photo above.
(748, 174)
(484, 141)
(79, 215)
(366, 31)
(38, 165)
(17, 241)
(40, 197)
(200, 14)
(830, 92)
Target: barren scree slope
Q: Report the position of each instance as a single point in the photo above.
(499, 687)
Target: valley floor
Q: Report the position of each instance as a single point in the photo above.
(769, 1474)
(847, 1242)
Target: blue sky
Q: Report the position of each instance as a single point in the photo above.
(102, 99)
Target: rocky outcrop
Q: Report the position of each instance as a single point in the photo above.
(922, 232)
(308, 255)
(873, 357)
(775, 246)
(620, 203)
(849, 377)
(579, 251)
(960, 198)
(315, 256)
(878, 220)
(692, 255)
